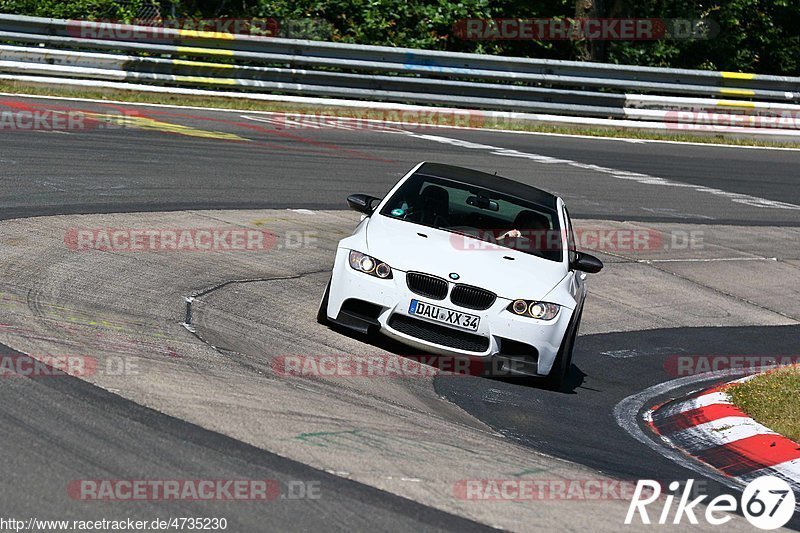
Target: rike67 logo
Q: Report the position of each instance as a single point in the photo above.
(767, 503)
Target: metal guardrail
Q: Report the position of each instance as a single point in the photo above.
(473, 81)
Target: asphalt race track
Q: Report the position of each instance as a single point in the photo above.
(276, 165)
(51, 435)
(598, 384)
(167, 167)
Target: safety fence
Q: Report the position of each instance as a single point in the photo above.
(120, 56)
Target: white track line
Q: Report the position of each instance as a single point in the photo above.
(399, 106)
(710, 398)
(739, 198)
(695, 403)
(718, 432)
(709, 260)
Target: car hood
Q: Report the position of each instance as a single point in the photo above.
(441, 253)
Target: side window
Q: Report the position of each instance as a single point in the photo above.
(572, 250)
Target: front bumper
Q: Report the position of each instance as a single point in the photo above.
(499, 340)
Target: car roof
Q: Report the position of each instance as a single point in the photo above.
(487, 181)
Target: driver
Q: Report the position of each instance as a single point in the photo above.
(530, 222)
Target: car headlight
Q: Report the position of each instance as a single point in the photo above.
(534, 309)
(370, 265)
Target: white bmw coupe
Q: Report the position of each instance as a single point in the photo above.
(465, 264)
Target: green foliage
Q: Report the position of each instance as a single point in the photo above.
(382, 22)
(750, 35)
(73, 9)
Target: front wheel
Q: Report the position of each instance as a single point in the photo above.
(558, 374)
(322, 312)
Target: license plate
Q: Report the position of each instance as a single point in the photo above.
(444, 315)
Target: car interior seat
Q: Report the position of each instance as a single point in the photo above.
(435, 203)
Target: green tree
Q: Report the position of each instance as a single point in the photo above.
(748, 35)
(73, 9)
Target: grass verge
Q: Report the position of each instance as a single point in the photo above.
(772, 399)
(363, 113)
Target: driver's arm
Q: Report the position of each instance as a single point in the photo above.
(514, 233)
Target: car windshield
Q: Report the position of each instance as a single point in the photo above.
(477, 215)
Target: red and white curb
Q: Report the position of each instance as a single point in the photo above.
(709, 428)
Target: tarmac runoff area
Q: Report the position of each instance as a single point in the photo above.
(127, 309)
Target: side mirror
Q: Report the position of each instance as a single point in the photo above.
(587, 263)
(363, 203)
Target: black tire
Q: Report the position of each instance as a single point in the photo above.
(558, 374)
(322, 312)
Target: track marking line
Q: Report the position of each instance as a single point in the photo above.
(645, 179)
(442, 126)
(706, 260)
(716, 433)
